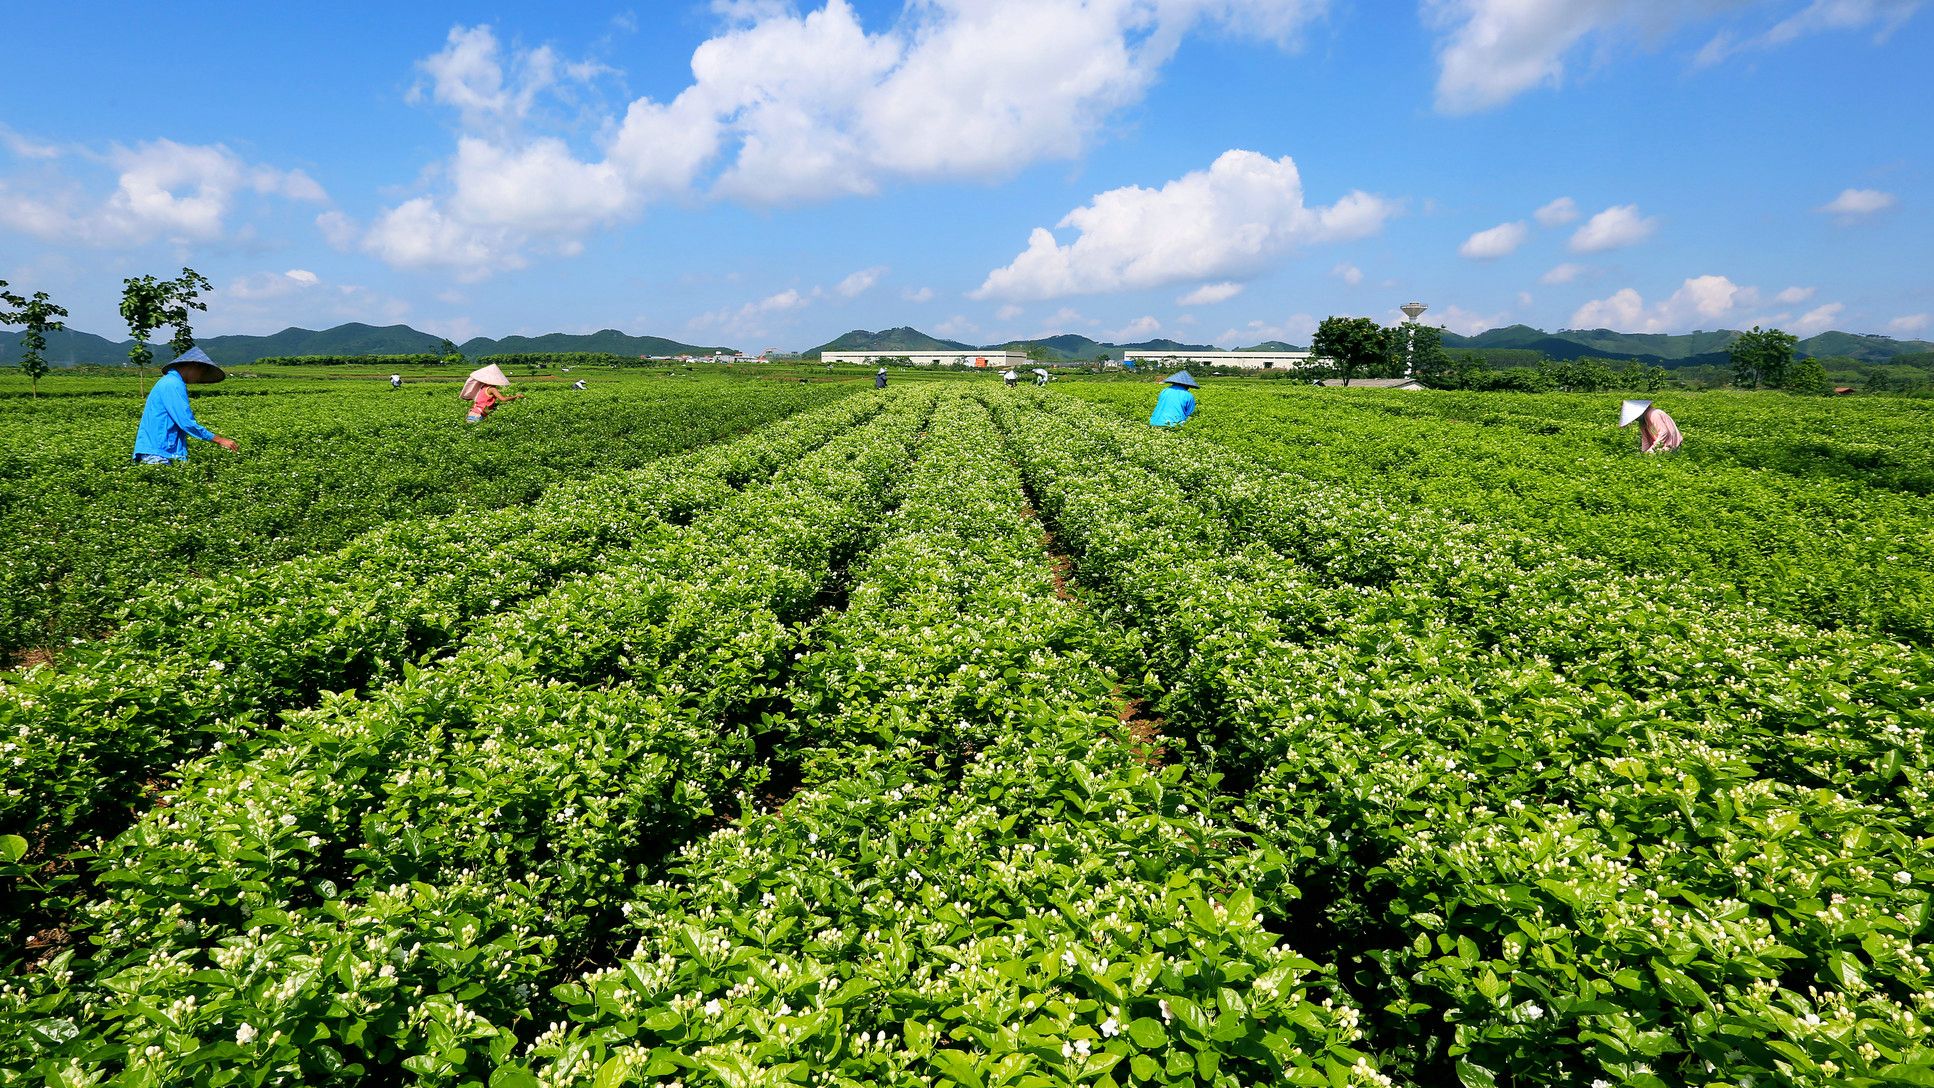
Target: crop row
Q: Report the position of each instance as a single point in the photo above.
(1816, 533)
(1566, 824)
(982, 881)
(85, 530)
(394, 877)
(211, 661)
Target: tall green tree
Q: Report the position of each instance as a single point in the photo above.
(148, 303)
(1762, 357)
(1808, 377)
(1422, 353)
(1354, 346)
(39, 316)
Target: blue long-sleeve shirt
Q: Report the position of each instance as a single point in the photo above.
(167, 420)
(1175, 405)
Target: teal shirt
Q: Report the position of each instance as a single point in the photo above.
(167, 420)
(1175, 405)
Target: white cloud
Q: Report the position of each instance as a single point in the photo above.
(1613, 228)
(860, 282)
(1142, 328)
(1854, 204)
(1705, 302)
(1499, 241)
(1910, 324)
(1564, 273)
(1210, 293)
(784, 107)
(182, 193)
(1348, 273)
(1820, 16)
(1817, 320)
(918, 294)
(957, 327)
(1008, 312)
(1295, 329)
(265, 301)
(1224, 223)
(1557, 213)
(1457, 319)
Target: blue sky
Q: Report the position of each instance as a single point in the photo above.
(770, 175)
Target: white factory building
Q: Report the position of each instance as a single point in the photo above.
(1000, 360)
(1247, 360)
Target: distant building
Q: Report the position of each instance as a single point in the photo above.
(1246, 360)
(998, 359)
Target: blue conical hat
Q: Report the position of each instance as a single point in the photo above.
(1182, 378)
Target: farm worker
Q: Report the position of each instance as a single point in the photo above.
(1040, 376)
(879, 379)
(579, 384)
(481, 390)
(1656, 430)
(396, 381)
(166, 420)
(1176, 404)
(1010, 378)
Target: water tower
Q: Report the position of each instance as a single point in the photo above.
(1411, 311)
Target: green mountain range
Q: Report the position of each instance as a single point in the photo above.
(1509, 345)
(68, 348)
(1067, 347)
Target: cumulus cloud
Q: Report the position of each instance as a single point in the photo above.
(1210, 293)
(260, 301)
(1613, 228)
(1294, 329)
(1142, 328)
(164, 190)
(1704, 302)
(1910, 324)
(1348, 273)
(1458, 320)
(918, 294)
(1224, 223)
(1564, 273)
(1557, 213)
(784, 107)
(1499, 241)
(1853, 204)
(860, 282)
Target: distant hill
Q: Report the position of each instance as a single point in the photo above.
(68, 348)
(1070, 347)
(903, 338)
(1273, 345)
(1671, 350)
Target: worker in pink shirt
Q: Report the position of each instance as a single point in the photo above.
(1656, 430)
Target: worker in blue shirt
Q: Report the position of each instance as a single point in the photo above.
(167, 421)
(1176, 404)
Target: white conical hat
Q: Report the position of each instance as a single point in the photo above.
(1631, 410)
(490, 375)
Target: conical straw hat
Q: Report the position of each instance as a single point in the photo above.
(490, 375)
(1631, 410)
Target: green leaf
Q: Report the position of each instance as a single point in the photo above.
(1475, 1076)
(958, 1066)
(1148, 1033)
(513, 1076)
(12, 848)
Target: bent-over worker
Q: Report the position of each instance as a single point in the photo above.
(1175, 404)
(879, 379)
(166, 419)
(483, 390)
(1010, 378)
(1657, 431)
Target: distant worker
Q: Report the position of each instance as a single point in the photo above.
(1176, 404)
(1040, 376)
(482, 390)
(1010, 378)
(166, 419)
(879, 379)
(396, 381)
(1657, 432)
(579, 384)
